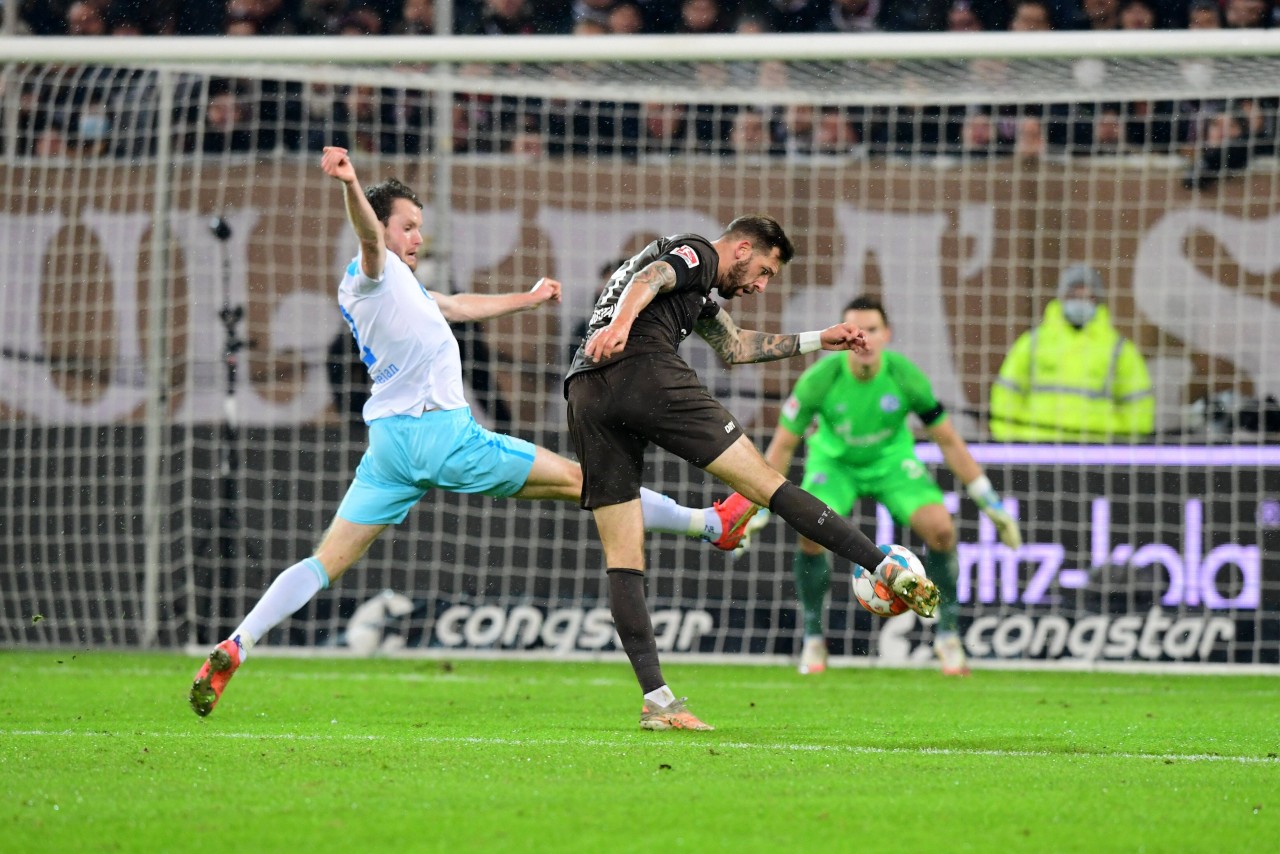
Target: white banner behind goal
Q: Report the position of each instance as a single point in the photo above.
(162, 223)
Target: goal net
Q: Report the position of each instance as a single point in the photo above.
(179, 398)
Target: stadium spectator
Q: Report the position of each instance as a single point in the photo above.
(1204, 15)
(1073, 378)
(1137, 15)
(422, 435)
(1031, 16)
(752, 134)
(962, 19)
(85, 19)
(702, 17)
(590, 27)
(628, 387)
(852, 16)
(1101, 14)
(1248, 14)
(664, 131)
(626, 19)
(226, 121)
(511, 18)
(592, 10)
(1029, 138)
(836, 133)
(417, 18)
(978, 134)
(863, 447)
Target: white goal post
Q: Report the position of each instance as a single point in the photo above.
(178, 398)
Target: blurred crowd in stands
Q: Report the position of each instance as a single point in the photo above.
(103, 111)
(517, 17)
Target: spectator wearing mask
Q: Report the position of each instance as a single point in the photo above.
(1073, 378)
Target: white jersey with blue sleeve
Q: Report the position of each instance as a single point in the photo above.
(405, 342)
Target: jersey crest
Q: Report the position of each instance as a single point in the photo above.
(890, 403)
(687, 255)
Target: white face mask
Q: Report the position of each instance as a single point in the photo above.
(1078, 312)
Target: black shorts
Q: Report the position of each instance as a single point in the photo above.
(617, 410)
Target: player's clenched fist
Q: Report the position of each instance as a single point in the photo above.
(336, 164)
(843, 336)
(545, 290)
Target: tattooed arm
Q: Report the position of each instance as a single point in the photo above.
(737, 346)
(610, 340)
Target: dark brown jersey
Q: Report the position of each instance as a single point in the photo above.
(670, 317)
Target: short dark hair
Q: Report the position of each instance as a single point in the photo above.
(764, 232)
(866, 303)
(382, 197)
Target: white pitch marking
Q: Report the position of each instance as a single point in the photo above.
(700, 743)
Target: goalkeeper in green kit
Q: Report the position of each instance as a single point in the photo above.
(863, 447)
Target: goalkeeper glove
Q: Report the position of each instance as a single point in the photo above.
(984, 495)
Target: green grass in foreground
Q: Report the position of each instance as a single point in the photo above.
(99, 752)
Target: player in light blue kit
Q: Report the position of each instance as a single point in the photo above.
(421, 433)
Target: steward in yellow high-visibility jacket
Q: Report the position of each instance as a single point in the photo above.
(1073, 378)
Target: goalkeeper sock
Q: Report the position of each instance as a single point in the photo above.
(292, 589)
(944, 569)
(813, 577)
(665, 515)
(635, 629)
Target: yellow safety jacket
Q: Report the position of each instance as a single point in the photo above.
(1062, 384)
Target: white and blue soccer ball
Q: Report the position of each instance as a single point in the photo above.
(874, 593)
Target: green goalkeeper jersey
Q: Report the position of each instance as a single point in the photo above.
(860, 421)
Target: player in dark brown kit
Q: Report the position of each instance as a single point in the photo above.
(628, 387)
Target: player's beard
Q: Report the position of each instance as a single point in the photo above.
(734, 282)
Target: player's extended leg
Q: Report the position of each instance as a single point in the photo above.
(743, 467)
(555, 477)
(621, 528)
(343, 544)
(933, 524)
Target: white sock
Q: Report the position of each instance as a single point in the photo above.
(292, 589)
(664, 515)
(662, 696)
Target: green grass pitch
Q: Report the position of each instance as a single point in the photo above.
(99, 752)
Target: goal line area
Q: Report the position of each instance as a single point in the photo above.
(180, 399)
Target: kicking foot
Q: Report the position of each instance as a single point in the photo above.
(918, 592)
(813, 657)
(951, 653)
(206, 690)
(734, 512)
(671, 716)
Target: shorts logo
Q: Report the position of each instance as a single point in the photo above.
(728, 428)
(686, 254)
(890, 403)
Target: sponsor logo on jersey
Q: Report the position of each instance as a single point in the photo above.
(728, 428)
(686, 254)
(890, 403)
(791, 409)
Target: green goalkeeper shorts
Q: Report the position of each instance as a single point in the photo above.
(898, 481)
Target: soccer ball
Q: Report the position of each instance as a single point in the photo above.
(876, 596)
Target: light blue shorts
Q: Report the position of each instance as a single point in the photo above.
(408, 455)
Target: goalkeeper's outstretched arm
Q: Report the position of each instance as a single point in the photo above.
(956, 454)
